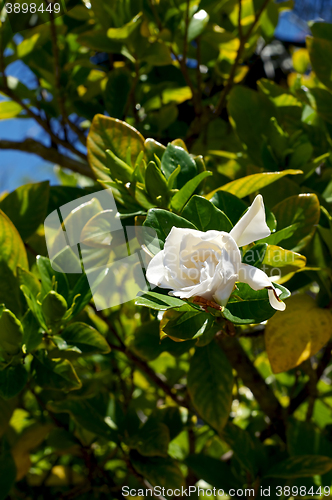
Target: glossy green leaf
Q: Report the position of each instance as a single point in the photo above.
(12, 249)
(87, 339)
(247, 306)
(197, 24)
(55, 374)
(85, 415)
(109, 133)
(162, 222)
(51, 278)
(11, 333)
(254, 256)
(155, 181)
(304, 210)
(301, 466)
(252, 183)
(172, 158)
(210, 385)
(32, 333)
(12, 380)
(27, 207)
(230, 204)
(54, 307)
(281, 235)
(187, 325)
(205, 215)
(158, 301)
(181, 197)
(147, 344)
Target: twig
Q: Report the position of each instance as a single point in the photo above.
(253, 380)
(49, 154)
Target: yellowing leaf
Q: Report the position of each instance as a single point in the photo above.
(294, 335)
(12, 249)
(9, 109)
(300, 60)
(30, 439)
(282, 264)
(252, 183)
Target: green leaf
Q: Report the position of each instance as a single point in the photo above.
(54, 307)
(152, 439)
(172, 416)
(155, 181)
(10, 293)
(156, 54)
(158, 471)
(244, 105)
(50, 278)
(186, 325)
(8, 474)
(210, 385)
(12, 249)
(320, 53)
(252, 183)
(162, 222)
(98, 40)
(109, 133)
(213, 471)
(12, 380)
(197, 25)
(117, 92)
(9, 109)
(56, 375)
(181, 197)
(32, 334)
(85, 415)
(247, 449)
(87, 339)
(281, 235)
(301, 466)
(230, 205)
(34, 306)
(205, 216)
(247, 306)
(121, 34)
(158, 301)
(27, 207)
(302, 209)
(82, 295)
(172, 158)
(29, 280)
(153, 148)
(254, 256)
(119, 169)
(147, 344)
(11, 333)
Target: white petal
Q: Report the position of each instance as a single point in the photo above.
(223, 293)
(252, 226)
(256, 278)
(155, 272)
(275, 303)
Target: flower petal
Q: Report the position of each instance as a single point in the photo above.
(276, 303)
(155, 272)
(254, 277)
(252, 225)
(257, 280)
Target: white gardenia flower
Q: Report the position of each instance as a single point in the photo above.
(208, 264)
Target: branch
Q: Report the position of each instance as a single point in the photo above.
(243, 40)
(57, 74)
(142, 365)
(49, 154)
(253, 380)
